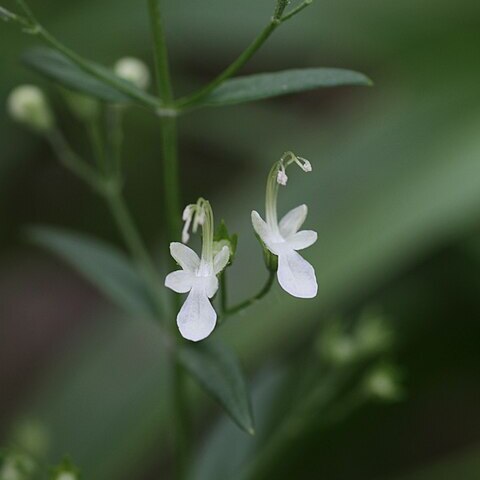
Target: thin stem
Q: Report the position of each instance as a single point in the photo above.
(232, 69)
(162, 67)
(247, 303)
(296, 10)
(72, 162)
(114, 121)
(110, 190)
(276, 20)
(135, 244)
(171, 177)
(180, 417)
(95, 134)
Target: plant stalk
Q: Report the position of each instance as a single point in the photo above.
(169, 138)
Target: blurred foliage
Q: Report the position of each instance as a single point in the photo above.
(395, 195)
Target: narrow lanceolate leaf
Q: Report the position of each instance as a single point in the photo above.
(268, 85)
(218, 370)
(103, 265)
(57, 67)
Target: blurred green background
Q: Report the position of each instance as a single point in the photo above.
(394, 195)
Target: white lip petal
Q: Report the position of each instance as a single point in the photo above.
(184, 256)
(197, 318)
(210, 285)
(179, 281)
(261, 227)
(221, 260)
(302, 239)
(296, 276)
(292, 221)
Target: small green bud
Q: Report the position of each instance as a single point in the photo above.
(65, 471)
(134, 71)
(32, 437)
(383, 383)
(27, 104)
(337, 346)
(373, 334)
(16, 466)
(85, 108)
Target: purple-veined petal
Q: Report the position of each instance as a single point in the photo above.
(221, 260)
(184, 256)
(296, 276)
(292, 221)
(197, 318)
(180, 281)
(302, 239)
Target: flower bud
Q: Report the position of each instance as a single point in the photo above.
(27, 104)
(134, 71)
(85, 108)
(383, 383)
(337, 346)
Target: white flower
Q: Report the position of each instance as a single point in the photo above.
(197, 317)
(134, 71)
(295, 275)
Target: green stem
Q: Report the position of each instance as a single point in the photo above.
(114, 121)
(109, 189)
(276, 20)
(180, 417)
(94, 132)
(232, 69)
(247, 303)
(171, 178)
(135, 244)
(162, 66)
(72, 162)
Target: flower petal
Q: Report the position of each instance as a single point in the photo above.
(302, 239)
(184, 256)
(197, 318)
(261, 228)
(221, 260)
(292, 221)
(296, 276)
(210, 285)
(180, 281)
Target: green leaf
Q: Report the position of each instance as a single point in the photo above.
(62, 70)
(105, 266)
(218, 370)
(268, 85)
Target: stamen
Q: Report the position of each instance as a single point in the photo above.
(187, 218)
(304, 164)
(282, 177)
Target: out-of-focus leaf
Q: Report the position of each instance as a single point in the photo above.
(267, 85)
(62, 70)
(465, 465)
(103, 265)
(217, 459)
(218, 370)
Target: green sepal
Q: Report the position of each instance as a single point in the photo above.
(222, 237)
(271, 260)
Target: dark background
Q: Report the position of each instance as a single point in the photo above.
(394, 195)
